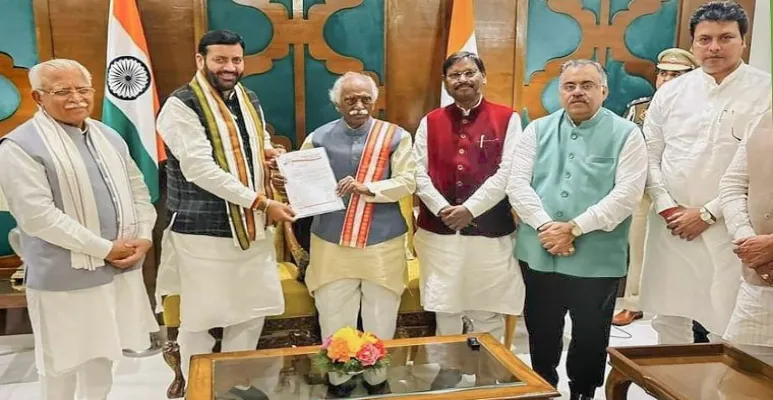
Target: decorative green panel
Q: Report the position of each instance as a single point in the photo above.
(593, 6)
(616, 6)
(550, 35)
(17, 40)
(354, 32)
(10, 99)
(277, 98)
(633, 30)
(359, 32)
(550, 96)
(623, 87)
(17, 32)
(352, 38)
(650, 34)
(251, 23)
(6, 224)
(307, 4)
(319, 109)
(288, 4)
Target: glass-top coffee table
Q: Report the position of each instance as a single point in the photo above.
(422, 368)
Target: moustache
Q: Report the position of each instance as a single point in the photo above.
(461, 85)
(358, 112)
(73, 106)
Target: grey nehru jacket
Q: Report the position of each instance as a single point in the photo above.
(48, 267)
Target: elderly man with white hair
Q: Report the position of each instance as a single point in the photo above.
(85, 218)
(358, 254)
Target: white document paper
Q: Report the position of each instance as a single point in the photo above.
(310, 182)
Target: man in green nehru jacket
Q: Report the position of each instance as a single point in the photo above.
(577, 176)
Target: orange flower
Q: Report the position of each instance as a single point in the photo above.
(338, 351)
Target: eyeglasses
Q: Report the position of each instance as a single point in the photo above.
(469, 74)
(63, 93)
(585, 86)
(352, 100)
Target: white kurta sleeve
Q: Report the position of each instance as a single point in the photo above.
(733, 195)
(493, 189)
(522, 195)
(653, 133)
(186, 138)
(625, 196)
(426, 191)
(31, 202)
(402, 181)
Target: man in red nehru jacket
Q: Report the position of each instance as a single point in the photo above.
(464, 242)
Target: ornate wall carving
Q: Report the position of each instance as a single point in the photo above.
(295, 49)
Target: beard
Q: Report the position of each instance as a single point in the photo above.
(219, 84)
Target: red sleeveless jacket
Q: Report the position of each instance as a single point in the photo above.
(462, 152)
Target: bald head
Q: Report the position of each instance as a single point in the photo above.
(63, 89)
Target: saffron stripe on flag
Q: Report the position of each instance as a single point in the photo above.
(131, 102)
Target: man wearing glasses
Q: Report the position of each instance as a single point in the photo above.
(577, 176)
(693, 128)
(85, 219)
(464, 242)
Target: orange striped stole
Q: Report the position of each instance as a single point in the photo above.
(374, 161)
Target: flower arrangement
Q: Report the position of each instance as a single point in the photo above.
(350, 351)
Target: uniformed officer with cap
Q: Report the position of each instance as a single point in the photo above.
(671, 64)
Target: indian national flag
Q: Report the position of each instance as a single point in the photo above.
(461, 36)
(131, 101)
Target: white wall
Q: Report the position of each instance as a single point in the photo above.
(759, 54)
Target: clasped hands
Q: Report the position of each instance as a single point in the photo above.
(557, 238)
(685, 223)
(127, 252)
(456, 218)
(756, 252)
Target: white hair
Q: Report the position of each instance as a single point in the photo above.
(584, 62)
(38, 72)
(335, 92)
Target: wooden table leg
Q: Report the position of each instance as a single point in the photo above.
(171, 351)
(617, 385)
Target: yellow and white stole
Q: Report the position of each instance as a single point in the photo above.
(230, 154)
(374, 161)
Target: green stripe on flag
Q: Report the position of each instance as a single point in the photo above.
(116, 119)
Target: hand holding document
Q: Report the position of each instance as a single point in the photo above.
(310, 182)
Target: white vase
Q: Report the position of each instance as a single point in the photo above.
(339, 378)
(375, 376)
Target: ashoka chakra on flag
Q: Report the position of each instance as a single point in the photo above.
(127, 78)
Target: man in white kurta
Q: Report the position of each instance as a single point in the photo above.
(358, 254)
(85, 222)
(464, 242)
(218, 250)
(746, 196)
(693, 128)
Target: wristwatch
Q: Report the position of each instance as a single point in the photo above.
(707, 216)
(576, 230)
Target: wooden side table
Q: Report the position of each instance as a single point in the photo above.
(687, 372)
